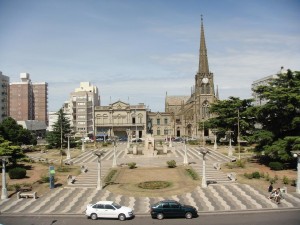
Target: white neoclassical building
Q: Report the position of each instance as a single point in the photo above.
(119, 118)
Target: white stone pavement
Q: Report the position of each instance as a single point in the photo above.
(222, 196)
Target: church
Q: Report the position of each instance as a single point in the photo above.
(182, 117)
(188, 112)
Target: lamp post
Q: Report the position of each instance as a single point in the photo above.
(83, 145)
(115, 157)
(99, 154)
(204, 151)
(68, 150)
(170, 141)
(296, 154)
(185, 159)
(128, 133)
(229, 147)
(4, 190)
(203, 134)
(214, 131)
(238, 137)
(136, 128)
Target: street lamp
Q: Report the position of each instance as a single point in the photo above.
(204, 151)
(4, 190)
(115, 157)
(185, 159)
(128, 133)
(238, 137)
(170, 141)
(296, 154)
(99, 154)
(229, 147)
(214, 131)
(68, 150)
(82, 146)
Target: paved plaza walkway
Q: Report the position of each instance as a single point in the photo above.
(224, 195)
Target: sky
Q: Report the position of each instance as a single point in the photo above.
(136, 51)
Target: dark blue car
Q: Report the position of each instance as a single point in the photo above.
(171, 208)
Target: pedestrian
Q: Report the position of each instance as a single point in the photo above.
(270, 189)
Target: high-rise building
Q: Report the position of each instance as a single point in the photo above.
(4, 93)
(82, 103)
(28, 101)
(263, 82)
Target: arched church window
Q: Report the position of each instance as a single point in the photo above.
(207, 89)
(205, 109)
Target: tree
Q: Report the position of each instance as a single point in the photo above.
(15, 133)
(231, 113)
(57, 138)
(280, 116)
(6, 149)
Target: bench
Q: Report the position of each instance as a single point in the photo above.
(25, 188)
(84, 169)
(71, 179)
(26, 195)
(70, 163)
(217, 166)
(231, 176)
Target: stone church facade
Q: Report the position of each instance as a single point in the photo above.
(182, 117)
(188, 112)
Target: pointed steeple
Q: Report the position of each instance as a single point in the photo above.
(203, 61)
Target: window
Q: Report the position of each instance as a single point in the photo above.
(109, 207)
(166, 121)
(165, 205)
(158, 121)
(174, 205)
(133, 120)
(158, 132)
(165, 132)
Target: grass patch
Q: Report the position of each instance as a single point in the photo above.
(154, 184)
(109, 178)
(192, 173)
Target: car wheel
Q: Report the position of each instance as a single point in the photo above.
(160, 216)
(188, 215)
(94, 216)
(122, 217)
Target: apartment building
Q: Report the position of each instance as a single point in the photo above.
(81, 106)
(4, 96)
(28, 101)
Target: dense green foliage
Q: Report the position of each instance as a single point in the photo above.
(57, 138)
(17, 173)
(278, 121)
(231, 113)
(280, 116)
(276, 165)
(7, 149)
(15, 133)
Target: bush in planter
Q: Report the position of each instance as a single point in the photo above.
(276, 165)
(171, 163)
(17, 173)
(131, 165)
(256, 175)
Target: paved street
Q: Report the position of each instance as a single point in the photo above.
(224, 195)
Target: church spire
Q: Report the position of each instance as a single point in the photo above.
(203, 61)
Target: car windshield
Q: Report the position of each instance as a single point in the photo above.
(117, 206)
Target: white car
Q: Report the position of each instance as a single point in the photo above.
(108, 209)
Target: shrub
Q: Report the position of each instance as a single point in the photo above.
(256, 175)
(63, 169)
(267, 177)
(14, 187)
(240, 163)
(193, 174)
(45, 179)
(276, 165)
(285, 180)
(17, 173)
(171, 163)
(248, 175)
(262, 175)
(109, 177)
(131, 165)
